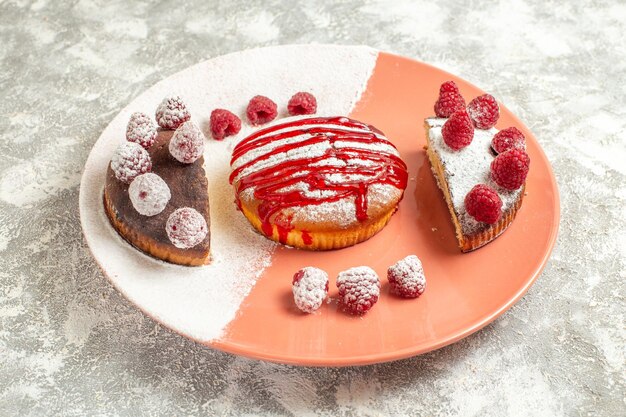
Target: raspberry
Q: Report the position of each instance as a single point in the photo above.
(187, 143)
(224, 123)
(149, 194)
(359, 289)
(450, 100)
(310, 286)
(508, 138)
(141, 130)
(130, 160)
(509, 169)
(302, 103)
(483, 203)
(171, 113)
(406, 277)
(484, 111)
(458, 131)
(261, 110)
(186, 228)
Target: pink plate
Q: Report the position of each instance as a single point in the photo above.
(465, 292)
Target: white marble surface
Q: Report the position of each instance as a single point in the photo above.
(71, 345)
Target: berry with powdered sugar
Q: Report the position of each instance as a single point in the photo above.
(186, 228)
(510, 168)
(507, 139)
(406, 277)
(261, 110)
(450, 100)
(141, 130)
(302, 103)
(224, 123)
(359, 289)
(172, 112)
(484, 204)
(130, 160)
(484, 111)
(187, 143)
(457, 131)
(309, 286)
(149, 194)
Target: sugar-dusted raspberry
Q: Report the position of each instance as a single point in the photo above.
(224, 123)
(141, 130)
(186, 228)
(406, 277)
(130, 160)
(149, 194)
(483, 204)
(458, 131)
(509, 169)
(302, 103)
(359, 288)
(508, 138)
(450, 100)
(310, 286)
(172, 112)
(484, 111)
(261, 110)
(187, 143)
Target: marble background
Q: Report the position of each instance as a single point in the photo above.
(71, 345)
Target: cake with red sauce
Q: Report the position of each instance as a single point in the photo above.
(318, 183)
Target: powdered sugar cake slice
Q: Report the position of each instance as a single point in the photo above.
(200, 302)
(457, 172)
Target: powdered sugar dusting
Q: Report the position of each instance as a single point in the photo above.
(130, 160)
(406, 277)
(199, 302)
(186, 228)
(478, 156)
(309, 288)
(359, 288)
(149, 194)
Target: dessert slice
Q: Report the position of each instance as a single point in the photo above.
(184, 203)
(463, 159)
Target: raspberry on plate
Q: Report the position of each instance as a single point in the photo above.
(141, 130)
(172, 112)
(261, 110)
(406, 277)
(457, 131)
(309, 287)
(450, 100)
(302, 103)
(187, 143)
(510, 168)
(130, 160)
(359, 288)
(483, 204)
(484, 111)
(508, 138)
(149, 194)
(224, 123)
(186, 228)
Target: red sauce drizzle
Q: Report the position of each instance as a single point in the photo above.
(306, 237)
(387, 168)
